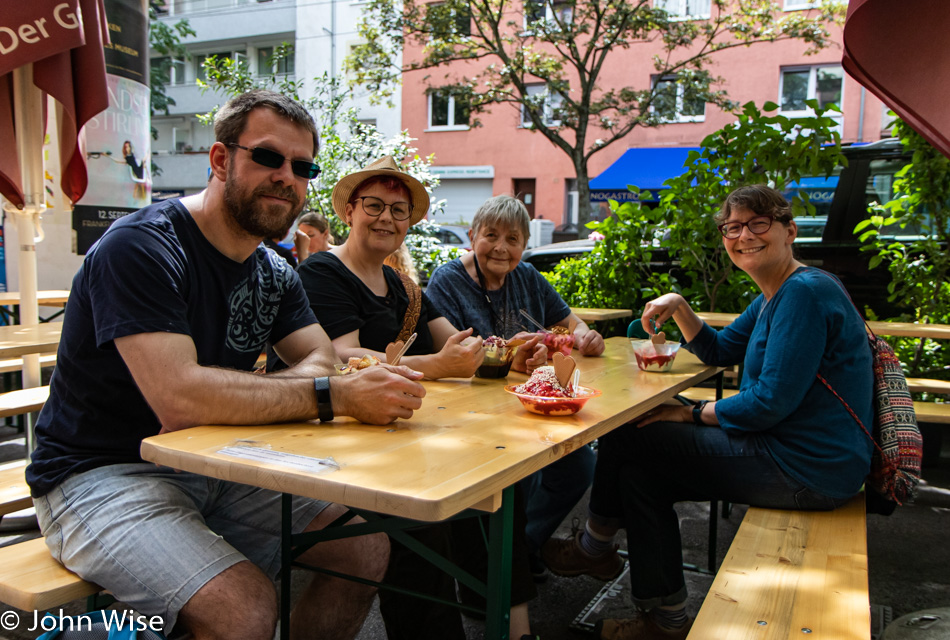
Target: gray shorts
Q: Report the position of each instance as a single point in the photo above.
(153, 536)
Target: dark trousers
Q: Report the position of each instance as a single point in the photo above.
(642, 473)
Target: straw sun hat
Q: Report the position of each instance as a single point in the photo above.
(385, 166)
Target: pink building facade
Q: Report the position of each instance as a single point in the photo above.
(503, 157)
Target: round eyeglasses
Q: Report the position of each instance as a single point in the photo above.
(374, 207)
(757, 225)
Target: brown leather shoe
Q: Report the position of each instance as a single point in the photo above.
(641, 627)
(565, 557)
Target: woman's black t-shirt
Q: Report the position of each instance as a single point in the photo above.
(343, 304)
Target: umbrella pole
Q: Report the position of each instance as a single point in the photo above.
(30, 129)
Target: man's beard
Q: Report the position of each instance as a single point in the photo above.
(256, 218)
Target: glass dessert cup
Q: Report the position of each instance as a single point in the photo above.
(551, 406)
(563, 342)
(655, 357)
(492, 368)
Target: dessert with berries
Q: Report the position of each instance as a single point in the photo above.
(560, 339)
(544, 383)
(655, 356)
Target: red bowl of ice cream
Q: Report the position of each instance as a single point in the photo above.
(563, 342)
(554, 406)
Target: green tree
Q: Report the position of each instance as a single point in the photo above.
(346, 144)
(499, 50)
(675, 246)
(165, 40)
(920, 267)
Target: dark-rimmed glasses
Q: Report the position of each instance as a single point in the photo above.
(273, 160)
(374, 207)
(757, 225)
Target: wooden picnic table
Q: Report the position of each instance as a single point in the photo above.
(10, 303)
(465, 448)
(595, 315)
(17, 340)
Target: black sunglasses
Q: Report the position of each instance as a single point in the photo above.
(273, 160)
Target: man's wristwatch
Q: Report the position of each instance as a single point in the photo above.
(698, 412)
(324, 405)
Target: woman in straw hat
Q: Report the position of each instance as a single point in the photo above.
(364, 305)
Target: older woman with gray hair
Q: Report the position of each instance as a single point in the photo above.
(486, 289)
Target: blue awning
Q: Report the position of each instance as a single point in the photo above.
(643, 167)
(819, 190)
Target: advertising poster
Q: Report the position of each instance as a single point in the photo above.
(118, 140)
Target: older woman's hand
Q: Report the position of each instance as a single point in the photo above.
(531, 354)
(665, 413)
(659, 311)
(460, 356)
(589, 342)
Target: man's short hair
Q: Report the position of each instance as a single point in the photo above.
(503, 211)
(231, 119)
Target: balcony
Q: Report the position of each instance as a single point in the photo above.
(245, 18)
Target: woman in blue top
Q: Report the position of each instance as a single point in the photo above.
(784, 441)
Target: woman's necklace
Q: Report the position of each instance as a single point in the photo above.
(495, 322)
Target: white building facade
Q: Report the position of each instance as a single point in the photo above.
(322, 33)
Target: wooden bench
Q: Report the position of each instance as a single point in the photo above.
(801, 574)
(31, 580)
(12, 365)
(13, 403)
(14, 492)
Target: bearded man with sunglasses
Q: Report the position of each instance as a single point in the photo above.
(167, 317)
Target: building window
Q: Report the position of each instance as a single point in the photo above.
(447, 111)
(550, 10)
(176, 69)
(549, 101)
(824, 84)
(685, 9)
(237, 56)
(266, 64)
(446, 21)
(673, 103)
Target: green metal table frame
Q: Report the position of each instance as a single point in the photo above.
(496, 591)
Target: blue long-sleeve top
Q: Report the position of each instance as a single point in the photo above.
(809, 326)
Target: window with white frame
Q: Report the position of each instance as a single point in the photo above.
(549, 101)
(822, 83)
(686, 9)
(551, 10)
(176, 69)
(447, 112)
(266, 64)
(672, 103)
(237, 56)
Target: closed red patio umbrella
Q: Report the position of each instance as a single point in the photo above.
(54, 48)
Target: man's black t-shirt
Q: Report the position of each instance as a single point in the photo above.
(152, 271)
(343, 304)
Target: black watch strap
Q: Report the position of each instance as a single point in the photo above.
(698, 411)
(324, 406)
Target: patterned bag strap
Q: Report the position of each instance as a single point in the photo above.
(411, 319)
(851, 411)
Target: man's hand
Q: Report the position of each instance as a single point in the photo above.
(531, 355)
(589, 343)
(460, 356)
(378, 394)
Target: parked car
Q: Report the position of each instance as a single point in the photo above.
(454, 236)
(826, 240)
